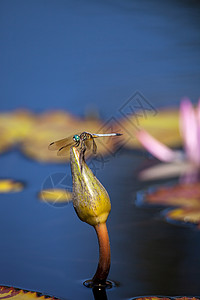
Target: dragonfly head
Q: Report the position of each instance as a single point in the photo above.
(76, 138)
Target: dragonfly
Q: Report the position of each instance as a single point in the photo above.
(85, 140)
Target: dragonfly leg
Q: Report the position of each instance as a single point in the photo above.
(83, 149)
(94, 147)
(77, 144)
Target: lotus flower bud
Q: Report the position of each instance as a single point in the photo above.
(90, 198)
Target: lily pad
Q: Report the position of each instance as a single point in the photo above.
(185, 215)
(14, 127)
(164, 126)
(185, 196)
(17, 294)
(34, 132)
(53, 126)
(9, 185)
(55, 195)
(166, 298)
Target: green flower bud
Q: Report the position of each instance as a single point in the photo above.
(90, 198)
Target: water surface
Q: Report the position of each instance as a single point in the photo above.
(71, 55)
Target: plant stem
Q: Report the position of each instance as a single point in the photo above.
(104, 254)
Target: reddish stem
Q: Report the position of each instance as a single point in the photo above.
(104, 254)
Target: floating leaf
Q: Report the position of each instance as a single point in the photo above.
(55, 195)
(164, 126)
(35, 132)
(58, 125)
(186, 196)
(17, 294)
(185, 215)
(14, 127)
(9, 185)
(166, 298)
(5, 142)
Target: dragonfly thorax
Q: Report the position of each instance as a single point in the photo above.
(76, 138)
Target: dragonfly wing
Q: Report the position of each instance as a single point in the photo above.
(91, 144)
(88, 143)
(64, 151)
(94, 147)
(61, 143)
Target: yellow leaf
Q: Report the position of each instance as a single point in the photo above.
(185, 215)
(164, 126)
(55, 195)
(53, 126)
(17, 294)
(165, 298)
(186, 196)
(16, 125)
(8, 185)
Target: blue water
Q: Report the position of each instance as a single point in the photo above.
(48, 249)
(81, 55)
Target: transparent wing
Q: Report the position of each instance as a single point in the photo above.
(88, 143)
(61, 143)
(94, 147)
(64, 151)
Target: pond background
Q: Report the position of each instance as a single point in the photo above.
(80, 56)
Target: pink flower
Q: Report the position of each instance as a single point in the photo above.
(187, 163)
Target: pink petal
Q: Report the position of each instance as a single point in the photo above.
(198, 125)
(189, 130)
(155, 147)
(163, 170)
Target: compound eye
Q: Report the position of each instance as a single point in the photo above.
(76, 138)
